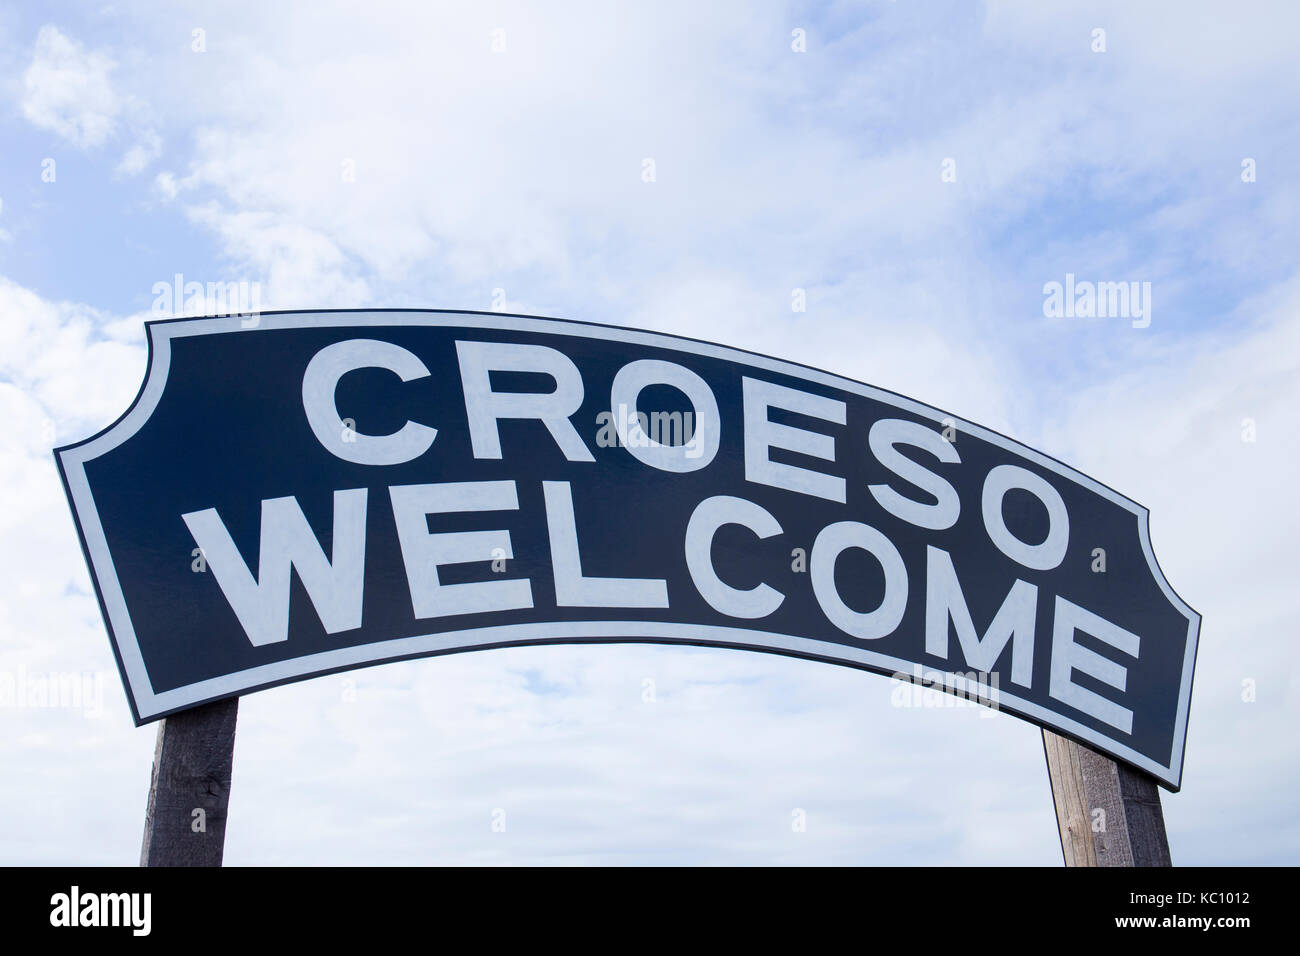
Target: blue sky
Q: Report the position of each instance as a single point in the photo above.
(775, 170)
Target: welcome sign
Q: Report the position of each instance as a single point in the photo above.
(328, 490)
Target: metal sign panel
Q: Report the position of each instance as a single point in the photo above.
(328, 490)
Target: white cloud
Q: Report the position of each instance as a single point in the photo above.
(166, 184)
(71, 91)
(138, 157)
(67, 89)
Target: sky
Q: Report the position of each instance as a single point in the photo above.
(918, 171)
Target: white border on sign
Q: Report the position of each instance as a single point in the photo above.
(148, 704)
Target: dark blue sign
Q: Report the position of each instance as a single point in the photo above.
(300, 493)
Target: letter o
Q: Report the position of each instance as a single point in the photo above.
(1040, 557)
(837, 538)
(625, 391)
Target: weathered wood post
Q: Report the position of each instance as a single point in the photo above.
(1108, 813)
(189, 794)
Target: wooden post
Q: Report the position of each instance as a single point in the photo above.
(1108, 813)
(185, 823)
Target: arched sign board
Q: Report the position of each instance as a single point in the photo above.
(308, 492)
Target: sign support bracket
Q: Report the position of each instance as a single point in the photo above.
(189, 793)
(1108, 813)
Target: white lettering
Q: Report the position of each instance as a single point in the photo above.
(710, 515)
(762, 434)
(322, 378)
(423, 552)
(485, 408)
(288, 543)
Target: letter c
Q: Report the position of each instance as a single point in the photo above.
(321, 379)
(710, 515)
